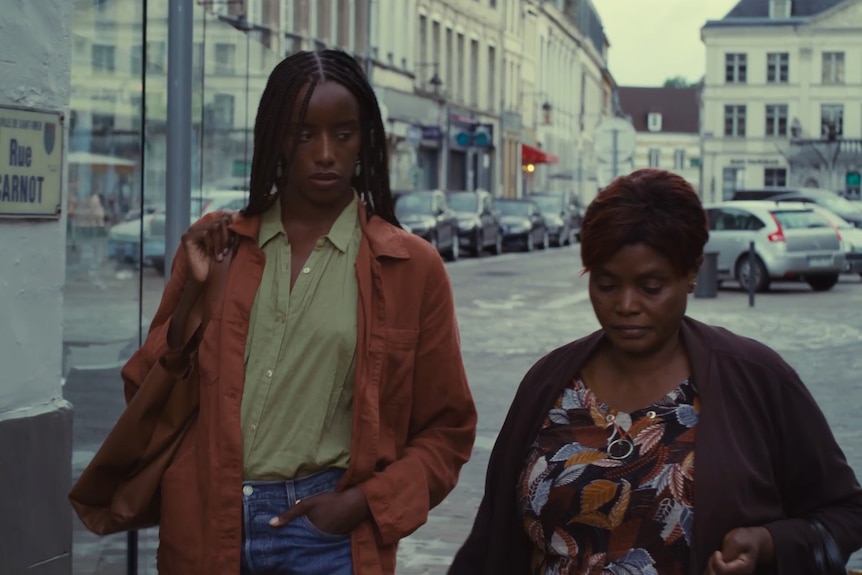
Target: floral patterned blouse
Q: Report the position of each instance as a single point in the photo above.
(594, 505)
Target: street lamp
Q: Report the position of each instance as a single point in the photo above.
(435, 80)
(546, 109)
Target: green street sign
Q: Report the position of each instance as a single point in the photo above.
(853, 179)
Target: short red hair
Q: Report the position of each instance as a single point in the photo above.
(652, 207)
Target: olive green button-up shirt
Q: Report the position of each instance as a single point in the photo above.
(299, 360)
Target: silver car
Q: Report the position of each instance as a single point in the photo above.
(791, 242)
(850, 235)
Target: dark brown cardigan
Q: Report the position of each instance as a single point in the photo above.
(764, 456)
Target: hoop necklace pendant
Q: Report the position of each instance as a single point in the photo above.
(619, 446)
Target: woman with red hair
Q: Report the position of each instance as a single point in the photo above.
(658, 444)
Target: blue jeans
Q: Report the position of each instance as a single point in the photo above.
(298, 548)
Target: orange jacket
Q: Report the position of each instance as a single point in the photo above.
(414, 420)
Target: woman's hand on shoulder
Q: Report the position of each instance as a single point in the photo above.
(208, 240)
(742, 551)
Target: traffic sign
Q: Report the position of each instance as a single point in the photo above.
(615, 140)
(853, 179)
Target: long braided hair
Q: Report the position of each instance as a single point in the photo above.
(276, 106)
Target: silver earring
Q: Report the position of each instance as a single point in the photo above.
(358, 169)
(278, 171)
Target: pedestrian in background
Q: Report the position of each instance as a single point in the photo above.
(334, 407)
(659, 444)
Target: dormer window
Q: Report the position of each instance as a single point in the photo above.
(780, 9)
(654, 122)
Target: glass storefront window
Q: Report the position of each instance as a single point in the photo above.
(117, 192)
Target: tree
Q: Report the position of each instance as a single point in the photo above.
(678, 82)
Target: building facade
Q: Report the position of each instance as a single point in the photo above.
(667, 127)
(567, 91)
(781, 100)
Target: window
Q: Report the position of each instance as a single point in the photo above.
(776, 121)
(103, 59)
(777, 68)
(679, 159)
(779, 9)
(197, 57)
(729, 219)
(492, 80)
(422, 53)
(734, 121)
(735, 68)
(324, 25)
(103, 119)
(831, 120)
(833, 67)
(654, 122)
(225, 59)
(775, 177)
(343, 24)
(654, 157)
(223, 107)
(459, 68)
(731, 180)
(450, 72)
(474, 72)
(136, 60)
(156, 55)
(435, 41)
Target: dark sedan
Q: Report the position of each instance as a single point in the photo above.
(428, 215)
(523, 224)
(478, 221)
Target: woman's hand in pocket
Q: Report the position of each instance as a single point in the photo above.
(337, 513)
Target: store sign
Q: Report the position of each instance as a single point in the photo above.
(476, 135)
(31, 163)
(755, 161)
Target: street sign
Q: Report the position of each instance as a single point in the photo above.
(414, 135)
(614, 140)
(853, 179)
(31, 163)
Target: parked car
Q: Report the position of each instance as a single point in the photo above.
(429, 216)
(523, 224)
(850, 211)
(850, 235)
(479, 225)
(124, 239)
(791, 242)
(564, 222)
(210, 201)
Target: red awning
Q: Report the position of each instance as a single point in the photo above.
(533, 155)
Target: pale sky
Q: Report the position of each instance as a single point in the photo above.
(655, 40)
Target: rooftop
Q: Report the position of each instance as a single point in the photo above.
(756, 13)
(679, 108)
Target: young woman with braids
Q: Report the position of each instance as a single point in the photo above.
(334, 408)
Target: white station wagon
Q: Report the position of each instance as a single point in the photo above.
(791, 243)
